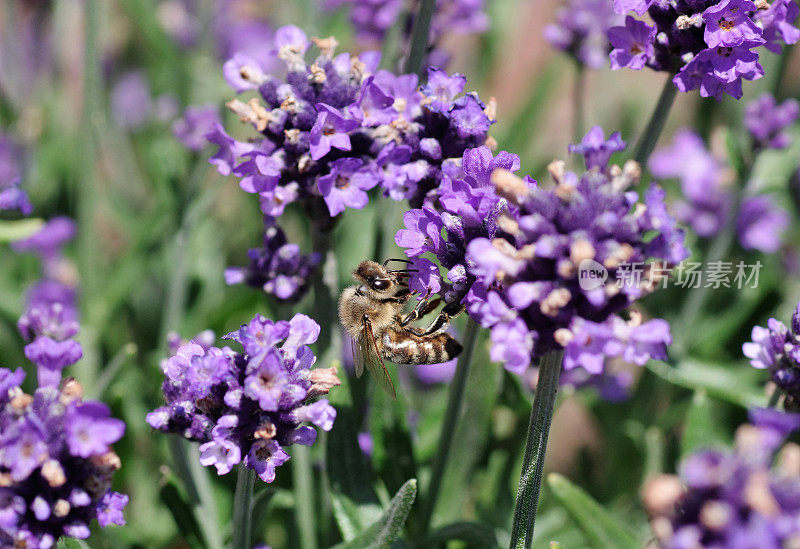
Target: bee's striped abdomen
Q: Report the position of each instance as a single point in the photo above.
(404, 347)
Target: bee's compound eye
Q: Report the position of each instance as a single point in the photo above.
(380, 284)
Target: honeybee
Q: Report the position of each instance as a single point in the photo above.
(372, 313)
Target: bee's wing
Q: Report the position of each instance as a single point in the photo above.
(369, 356)
(358, 355)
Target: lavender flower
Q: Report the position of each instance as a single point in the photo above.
(537, 303)
(735, 498)
(333, 130)
(766, 121)
(278, 268)
(776, 348)
(465, 207)
(580, 31)
(633, 44)
(248, 407)
(338, 107)
(12, 197)
(711, 45)
(56, 463)
(707, 197)
(513, 252)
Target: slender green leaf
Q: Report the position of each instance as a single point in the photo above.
(389, 527)
(11, 231)
(702, 427)
(70, 543)
(734, 384)
(355, 504)
(600, 528)
(175, 500)
(475, 534)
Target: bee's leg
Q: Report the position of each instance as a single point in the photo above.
(423, 308)
(449, 312)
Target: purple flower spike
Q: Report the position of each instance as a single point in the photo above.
(633, 44)
(514, 252)
(596, 150)
(278, 268)
(248, 407)
(766, 121)
(330, 131)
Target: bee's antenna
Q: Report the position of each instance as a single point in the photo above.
(403, 271)
(396, 259)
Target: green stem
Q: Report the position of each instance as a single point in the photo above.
(533, 463)
(455, 401)
(198, 487)
(85, 189)
(87, 149)
(578, 98)
(419, 37)
(302, 477)
(242, 508)
(111, 370)
(647, 141)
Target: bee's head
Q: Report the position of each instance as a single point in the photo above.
(376, 277)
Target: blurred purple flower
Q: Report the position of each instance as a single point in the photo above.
(580, 31)
(766, 121)
(731, 498)
(760, 224)
(12, 197)
(131, 101)
(196, 122)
